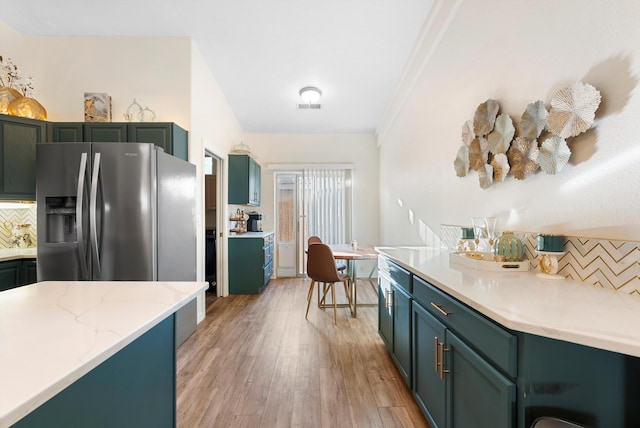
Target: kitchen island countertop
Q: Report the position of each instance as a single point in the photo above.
(521, 301)
(53, 333)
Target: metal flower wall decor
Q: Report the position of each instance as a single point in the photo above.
(491, 147)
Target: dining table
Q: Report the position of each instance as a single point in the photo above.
(353, 254)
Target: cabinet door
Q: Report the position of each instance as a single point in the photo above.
(401, 302)
(428, 383)
(478, 395)
(385, 310)
(169, 136)
(18, 138)
(254, 182)
(210, 192)
(65, 132)
(244, 180)
(28, 271)
(246, 265)
(105, 132)
(9, 274)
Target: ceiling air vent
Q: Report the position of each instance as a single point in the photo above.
(309, 106)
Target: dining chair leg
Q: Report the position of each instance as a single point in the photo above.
(347, 293)
(309, 296)
(333, 296)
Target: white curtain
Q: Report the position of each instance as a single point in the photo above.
(326, 204)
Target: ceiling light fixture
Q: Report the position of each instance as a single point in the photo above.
(310, 94)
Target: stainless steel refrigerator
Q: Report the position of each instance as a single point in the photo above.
(115, 211)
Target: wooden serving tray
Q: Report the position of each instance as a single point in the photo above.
(484, 261)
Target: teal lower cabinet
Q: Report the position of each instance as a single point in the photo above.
(478, 395)
(468, 371)
(588, 386)
(453, 385)
(385, 312)
(394, 317)
(250, 263)
(401, 302)
(136, 387)
(9, 274)
(28, 271)
(428, 375)
(15, 273)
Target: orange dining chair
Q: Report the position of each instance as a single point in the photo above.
(321, 268)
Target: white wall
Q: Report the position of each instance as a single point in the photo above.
(358, 149)
(515, 53)
(214, 127)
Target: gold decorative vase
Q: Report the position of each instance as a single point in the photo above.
(7, 96)
(27, 107)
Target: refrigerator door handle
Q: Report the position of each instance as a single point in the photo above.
(82, 250)
(93, 215)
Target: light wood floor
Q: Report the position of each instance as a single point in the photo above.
(256, 362)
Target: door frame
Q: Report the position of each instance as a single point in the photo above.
(296, 220)
(221, 272)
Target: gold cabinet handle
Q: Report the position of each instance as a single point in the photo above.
(442, 351)
(435, 353)
(387, 298)
(439, 308)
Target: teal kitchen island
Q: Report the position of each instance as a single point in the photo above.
(90, 354)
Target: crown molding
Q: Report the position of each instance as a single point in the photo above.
(440, 17)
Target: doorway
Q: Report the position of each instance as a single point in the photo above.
(212, 222)
(288, 225)
(315, 201)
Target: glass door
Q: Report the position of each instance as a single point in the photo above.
(287, 231)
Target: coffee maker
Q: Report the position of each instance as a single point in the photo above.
(255, 222)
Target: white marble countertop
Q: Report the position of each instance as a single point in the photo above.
(560, 309)
(251, 234)
(7, 254)
(53, 333)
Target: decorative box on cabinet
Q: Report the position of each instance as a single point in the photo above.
(18, 138)
(210, 192)
(244, 180)
(250, 263)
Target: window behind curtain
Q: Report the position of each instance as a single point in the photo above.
(326, 204)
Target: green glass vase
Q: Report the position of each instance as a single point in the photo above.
(509, 246)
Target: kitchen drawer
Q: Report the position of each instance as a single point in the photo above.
(268, 271)
(268, 240)
(399, 275)
(268, 254)
(488, 338)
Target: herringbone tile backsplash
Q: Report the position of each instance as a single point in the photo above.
(17, 216)
(608, 264)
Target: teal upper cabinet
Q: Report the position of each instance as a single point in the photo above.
(18, 138)
(65, 132)
(172, 138)
(244, 180)
(169, 136)
(107, 132)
